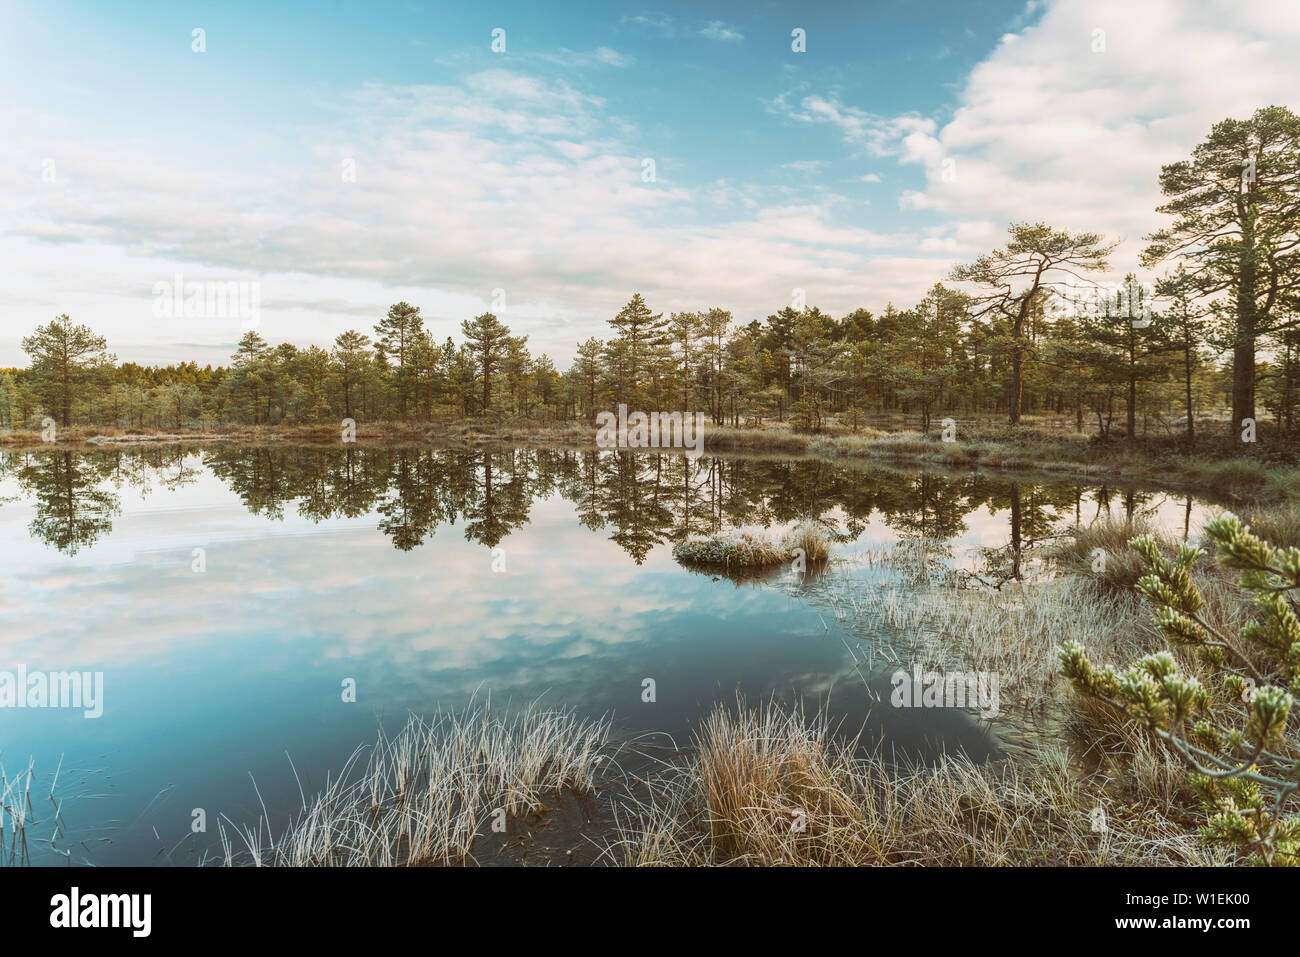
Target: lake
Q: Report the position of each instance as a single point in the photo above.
(231, 597)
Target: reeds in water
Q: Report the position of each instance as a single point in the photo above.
(18, 815)
(424, 795)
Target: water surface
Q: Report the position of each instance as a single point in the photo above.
(227, 594)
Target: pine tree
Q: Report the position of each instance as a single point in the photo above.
(488, 342)
(1231, 730)
(67, 360)
(1015, 279)
(644, 334)
(1236, 205)
(396, 335)
(1187, 331)
(351, 361)
(586, 368)
(685, 329)
(1127, 342)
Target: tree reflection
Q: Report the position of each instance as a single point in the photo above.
(637, 500)
(74, 504)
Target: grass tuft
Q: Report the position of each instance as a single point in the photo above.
(730, 550)
(737, 551)
(1099, 554)
(771, 787)
(812, 539)
(424, 796)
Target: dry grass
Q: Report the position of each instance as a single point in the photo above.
(906, 601)
(1211, 465)
(1042, 444)
(383, 433)
(740, 551)
(18, 814)
(1099, 553)
(772, 438)
(911, 606)
(762, 786)
(1016, 631)
(769, 787)
(772, 787)
(424, 795)
(1279, 524)
(989, 448)
(811, 539)
(730, 550)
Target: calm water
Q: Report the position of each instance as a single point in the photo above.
(377, 565)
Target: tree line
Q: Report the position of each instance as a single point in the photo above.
(1022, 330)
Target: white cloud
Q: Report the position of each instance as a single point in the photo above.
(667, 26)
(504, 181)
(660, 23)
(601, 56)
(717, 30)
(908, 137)
(1046, 128)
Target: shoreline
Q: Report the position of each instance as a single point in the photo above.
(1249, 479)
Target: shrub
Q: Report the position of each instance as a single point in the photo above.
(1231, 730)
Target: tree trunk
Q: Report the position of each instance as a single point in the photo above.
(1243, 351)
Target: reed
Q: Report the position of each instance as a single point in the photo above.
(811, 539)
(424, 795)
(18, 816)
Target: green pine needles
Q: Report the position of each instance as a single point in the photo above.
(1228, 721)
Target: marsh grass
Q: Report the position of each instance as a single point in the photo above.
(1099, 554)
(425, 795)
(776, 438)
(1265, 474)
(1210, 463)
(728, 550)
(741, 551)
(771, 786)
(905, 603)
(1278, 524)
(768, 786)
(18, 815)
(810, 538)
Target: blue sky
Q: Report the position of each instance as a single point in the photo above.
(902, 140)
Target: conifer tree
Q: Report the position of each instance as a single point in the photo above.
(1232, 728)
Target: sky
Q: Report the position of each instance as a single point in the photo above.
(547, 161)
